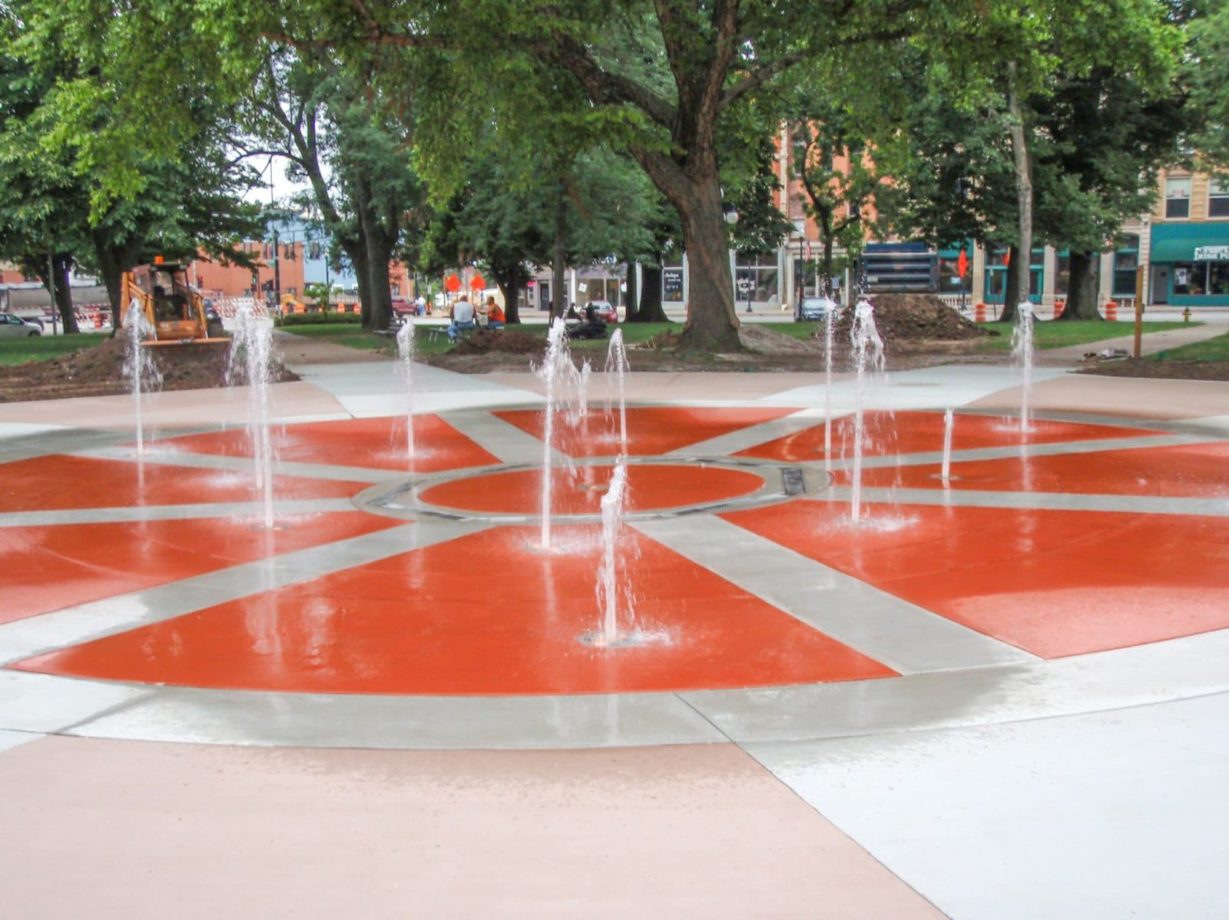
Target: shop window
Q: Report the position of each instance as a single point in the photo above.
(1178, 197)
(1126, 261)
(1190, 278)
(1218, 197)
(757, 274)
(672, 279)
(1218, 278)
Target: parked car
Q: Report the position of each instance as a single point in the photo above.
(815, 308)
(606, 311)
(13, 325)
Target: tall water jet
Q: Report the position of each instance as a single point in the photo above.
(1022, 353)
(405, 351)
(616, 366)
(253, 344)
(868, 358)
(949, 420)
(139, 364)
(556, 364)
(614, 503)
(829, 333)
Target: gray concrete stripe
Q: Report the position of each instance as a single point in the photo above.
(497, 437)
(1183, 668)
(399, 722)
(59, 441)
(1039, 501)
(74, 625)
(1017, 451)
(901, 635)
(753, 435)
(48, 703)
(326, 471)
(171, 512)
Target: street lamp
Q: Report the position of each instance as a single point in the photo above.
(740, 284)
(800, 227)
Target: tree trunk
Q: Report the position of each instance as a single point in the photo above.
(63, 293)
(633, 294)
(827, 279)
(111, 270)
(651, 310)
(378, 313)
(560, 306)
(512, 295)
(356, 251)
(712, 318)
(1011, 286)
(1082, 287)
(1024, 194)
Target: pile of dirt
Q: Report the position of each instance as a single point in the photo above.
(916, 318)
(99, 371)
(506, 341)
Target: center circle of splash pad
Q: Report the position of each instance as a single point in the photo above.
(656, 488)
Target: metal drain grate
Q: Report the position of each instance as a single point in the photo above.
(792, 479)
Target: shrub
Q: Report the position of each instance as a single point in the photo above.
(315, 319)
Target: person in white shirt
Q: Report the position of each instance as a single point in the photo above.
(463, 317)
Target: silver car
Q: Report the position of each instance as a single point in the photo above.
(13, 325)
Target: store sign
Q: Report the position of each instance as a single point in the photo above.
(1212, 253)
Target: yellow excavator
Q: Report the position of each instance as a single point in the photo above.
(175, 311)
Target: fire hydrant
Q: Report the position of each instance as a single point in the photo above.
(1186, 315)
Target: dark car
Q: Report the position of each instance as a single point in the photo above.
(815, 308)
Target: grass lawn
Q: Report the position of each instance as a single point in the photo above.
(42, 347)
(1216, 349)
(1051, 334)
(351, 335)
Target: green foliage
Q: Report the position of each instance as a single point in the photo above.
(1207, 75)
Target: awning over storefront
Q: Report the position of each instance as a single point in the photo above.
(1201, 242)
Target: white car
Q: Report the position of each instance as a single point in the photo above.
(13, 325)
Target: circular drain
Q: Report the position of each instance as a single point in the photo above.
(657, 488)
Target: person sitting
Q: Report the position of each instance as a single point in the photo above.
(462, 316)
(495, 318)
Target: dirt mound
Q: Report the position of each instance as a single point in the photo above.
(99, 371)
(505, 341)
(916, 317)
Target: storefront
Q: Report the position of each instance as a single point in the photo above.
(1190, 264)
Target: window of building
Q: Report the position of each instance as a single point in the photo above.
(756, 276)
(672, 277)
(1218, 197)
(1062, 273)
(1190, 278)
(1178, 197)
(1218, 278)
(1126, 261)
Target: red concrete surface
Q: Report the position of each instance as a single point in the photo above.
(920, 432)
(48, 568)
(1054, 583)
(60, 482)
(1189, 471)
(650, 429)
(378, 443)
(650, 488)
(483, 614)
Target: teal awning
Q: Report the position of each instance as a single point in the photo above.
(1180, 242)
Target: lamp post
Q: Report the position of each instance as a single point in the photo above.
(731, 218)
(800, 227)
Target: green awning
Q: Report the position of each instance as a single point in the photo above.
(1204, 241)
